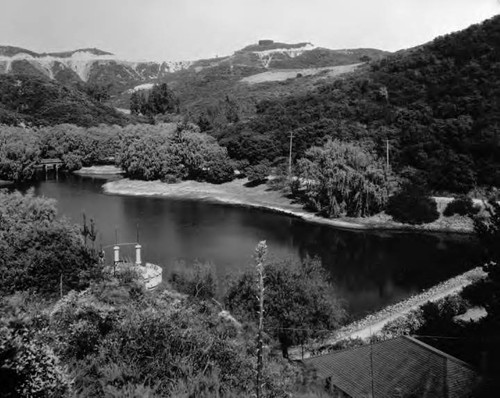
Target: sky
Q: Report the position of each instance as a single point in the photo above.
(192, 29)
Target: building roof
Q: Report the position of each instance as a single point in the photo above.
(400, 367)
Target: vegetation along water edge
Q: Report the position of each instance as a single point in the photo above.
(236, 193)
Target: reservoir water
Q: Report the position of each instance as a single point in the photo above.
(370, 269)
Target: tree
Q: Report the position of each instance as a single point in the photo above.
(462, 205)
(176, 155)
(98, 92)
(299, 301)
(488, 231)
(38, 250)
(232, 110)
(19, 153)
(162, 100)
(259, 172)
(135, 103)
(412, 206)
(486, 293)
(343, 179)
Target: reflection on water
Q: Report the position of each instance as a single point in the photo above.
(371, 269)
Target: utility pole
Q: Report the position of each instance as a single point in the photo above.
(260, 256)
(371, 363)
(290, 157)
(387, 153)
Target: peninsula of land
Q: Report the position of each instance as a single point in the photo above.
(238, 193)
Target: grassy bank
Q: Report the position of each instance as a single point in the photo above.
(236, 193)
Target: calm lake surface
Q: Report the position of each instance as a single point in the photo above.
(370, 269)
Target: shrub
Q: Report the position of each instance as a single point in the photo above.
(412, 207)
(39, 250)
(199, 282)
(28, 367)
(403, 325)
(219, 170)
(259, 172)
(463, 206)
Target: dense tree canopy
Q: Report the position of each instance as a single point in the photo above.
(171, 156)
(165, 151)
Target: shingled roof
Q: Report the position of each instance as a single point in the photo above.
(402, 367)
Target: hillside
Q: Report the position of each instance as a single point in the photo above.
(96, 67)
(34, 100)
(437, 104)
(224, 90)
(88, 65)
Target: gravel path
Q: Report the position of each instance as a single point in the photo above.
(374, 323)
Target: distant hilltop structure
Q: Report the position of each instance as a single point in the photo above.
(265, 42)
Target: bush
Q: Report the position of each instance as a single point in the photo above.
(406, 324)
(463, 206)
(219, 171)
(38, 251)
(412, 207)
(259, 172)
(28, 367)
(199, 282)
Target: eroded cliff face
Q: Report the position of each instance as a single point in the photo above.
(86, 65)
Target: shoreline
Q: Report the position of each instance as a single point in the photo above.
(103, 170)
(235, 193)
(372, 324)
(375, 322)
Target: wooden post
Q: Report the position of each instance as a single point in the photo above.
(61, 286)
(290, 157)
(260, 256)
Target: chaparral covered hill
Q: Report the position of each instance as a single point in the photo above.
(193, 81)
(36, 100)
